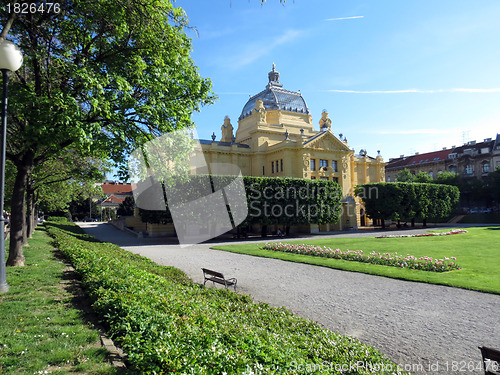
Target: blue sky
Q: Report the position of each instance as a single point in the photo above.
(396, 76)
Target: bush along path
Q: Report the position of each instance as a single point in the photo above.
(165, 323)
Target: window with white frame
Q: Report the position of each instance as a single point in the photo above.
(468, 169)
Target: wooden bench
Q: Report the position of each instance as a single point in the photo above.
(491, 360)
(217, 277)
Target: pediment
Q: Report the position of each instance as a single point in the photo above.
(326, 141)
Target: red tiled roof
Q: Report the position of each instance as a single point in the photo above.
(113, 199)
(413, 160)
(116, 188)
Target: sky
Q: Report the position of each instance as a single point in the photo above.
(396, 76)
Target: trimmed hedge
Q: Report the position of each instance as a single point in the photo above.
(270, 200)
(58, 219)
(408, 201)
(165, 323)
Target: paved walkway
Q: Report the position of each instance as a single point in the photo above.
(427, 328)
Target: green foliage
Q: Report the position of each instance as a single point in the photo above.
(58, 219)
(290, 201)
(108, 214)
(448, 178)
(100, 78)
(42, 328)
(126, 208)
(423, 177)
(272, 200)
(167, 324)
(69, 177)
(83, 206)
(405, 176)
(406, 201)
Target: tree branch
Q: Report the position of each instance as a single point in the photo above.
(8, 25)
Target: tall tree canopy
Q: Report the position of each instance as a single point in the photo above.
(101, 77)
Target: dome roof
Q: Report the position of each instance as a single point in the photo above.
(276, 97)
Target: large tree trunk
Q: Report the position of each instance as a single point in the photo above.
(17, 219)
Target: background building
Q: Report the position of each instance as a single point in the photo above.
(115, 192)
(276, 138)
(473, 159)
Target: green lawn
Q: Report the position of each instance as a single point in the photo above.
(477, 253)
(41, 328)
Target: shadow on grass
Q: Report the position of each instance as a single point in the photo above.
(72, 229)
(70, 282)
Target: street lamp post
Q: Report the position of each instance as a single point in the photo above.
(11, 59)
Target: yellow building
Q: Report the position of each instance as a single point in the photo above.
(276, 138)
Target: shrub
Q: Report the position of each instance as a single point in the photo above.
(165, 323)
(270, 200)
(58, 219)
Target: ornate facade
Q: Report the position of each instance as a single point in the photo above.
(276, 137)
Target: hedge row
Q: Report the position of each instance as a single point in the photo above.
(167, 324)
(408, 201)
(270, 200)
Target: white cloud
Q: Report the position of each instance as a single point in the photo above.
(418, 91)
(343, 18)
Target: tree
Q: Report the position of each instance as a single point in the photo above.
(126, 208)
(493, 185)
(408, 201)
(423, 177)
(405, 176)
(448, 178)
(100, 77)
(58, 181)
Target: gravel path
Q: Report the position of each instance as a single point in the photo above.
(426, 328)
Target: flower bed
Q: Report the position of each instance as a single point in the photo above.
(385, 259)
(453, 231)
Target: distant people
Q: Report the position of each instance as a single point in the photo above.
(279, 233)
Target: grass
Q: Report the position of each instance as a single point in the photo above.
(477, 253)
(166, 323)
(41, 329)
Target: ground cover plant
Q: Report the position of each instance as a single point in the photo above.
(41, 331)
(386, 259)
(168, 324)
(478, 252)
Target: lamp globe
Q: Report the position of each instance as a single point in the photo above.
(11, 57)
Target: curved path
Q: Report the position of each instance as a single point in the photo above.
(426, 328)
